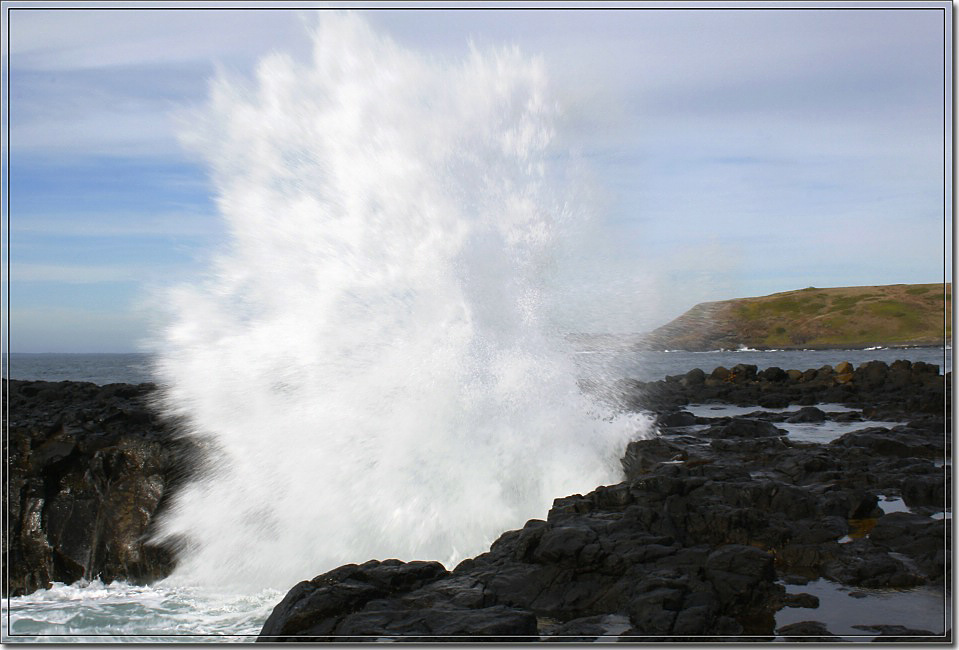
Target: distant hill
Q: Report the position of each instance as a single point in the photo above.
(897, 314)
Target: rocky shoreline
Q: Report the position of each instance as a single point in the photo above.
(722, 523)
(718, 521)
(88, 470)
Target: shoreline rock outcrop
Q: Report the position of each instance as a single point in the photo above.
(717, 520)
(882, 391)
(89, 468)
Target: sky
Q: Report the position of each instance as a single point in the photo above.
(737, 152)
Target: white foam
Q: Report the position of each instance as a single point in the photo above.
(94, 612)
(370, 359)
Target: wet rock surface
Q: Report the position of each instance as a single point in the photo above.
(883, 391)
(715, 517)
(88, 469)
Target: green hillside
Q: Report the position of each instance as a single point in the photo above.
(898, 314)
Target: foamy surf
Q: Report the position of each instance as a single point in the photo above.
(371, 360)
(118, 612)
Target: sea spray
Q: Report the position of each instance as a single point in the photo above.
(371, 361)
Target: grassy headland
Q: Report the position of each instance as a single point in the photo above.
(897, 314)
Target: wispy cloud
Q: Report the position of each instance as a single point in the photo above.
(113, 81)
(122, 225)
(78, 38)
(737, 150)
(22, 272)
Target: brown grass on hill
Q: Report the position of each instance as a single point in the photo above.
(899, 314)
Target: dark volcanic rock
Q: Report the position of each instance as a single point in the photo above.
(89, 469)
(907, 633)
(614, 551)
(902, 442)
(813, 631)
(643, 455)
(892, 392)
(713, 516)
(392, 599)
(743, 428)
(808, 414)
(587, 628)
(677, 419)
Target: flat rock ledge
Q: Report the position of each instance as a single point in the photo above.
(715, 517)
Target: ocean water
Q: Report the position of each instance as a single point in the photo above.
(130, 368)
(610, 361)
(840, 607)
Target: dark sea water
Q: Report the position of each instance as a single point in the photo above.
(134, 368)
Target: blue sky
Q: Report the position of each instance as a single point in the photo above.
(739, 152)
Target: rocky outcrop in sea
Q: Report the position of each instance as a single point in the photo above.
(88, 470)
(722, 522)
(717, 524)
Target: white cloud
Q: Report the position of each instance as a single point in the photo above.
(111, 82)
(656, 99)
(76, 38)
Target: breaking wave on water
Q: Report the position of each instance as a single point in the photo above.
(371, 359)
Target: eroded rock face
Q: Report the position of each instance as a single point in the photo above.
(89, 469)
(714, 517)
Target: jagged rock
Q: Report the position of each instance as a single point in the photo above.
(843, 367)
(720, 373)
(643, 455)
(743, 428)
(923, 490)
(774, 401)
(864, 565)
(438, 624)
(90, 468)
(808, 414)
(773, 374)
(801, 600)
(889, 391)
(896, 630)
(692, 543)
(677, 419)
(811, 631)
(313, 609)
(587, 628)
(902, 442)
